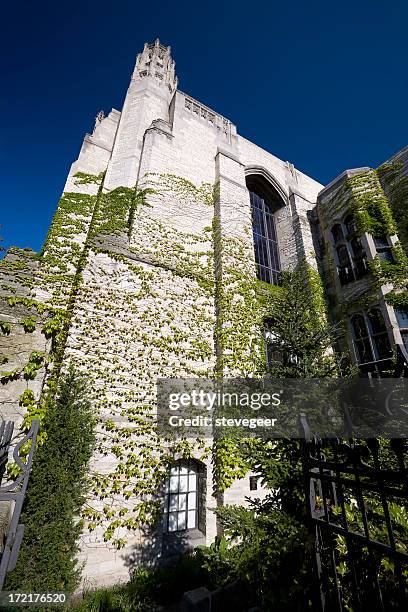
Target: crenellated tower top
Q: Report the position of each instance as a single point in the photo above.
(155, 61)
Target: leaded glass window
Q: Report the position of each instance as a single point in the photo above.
(362, 339)
(371, 336)
(379, 334)
(181, 502)
(350, 253)
(265, 240)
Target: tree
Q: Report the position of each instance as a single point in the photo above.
(299, 332)
(273, 550)
(56, 492)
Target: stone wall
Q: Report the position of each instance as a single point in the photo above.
(148, 271)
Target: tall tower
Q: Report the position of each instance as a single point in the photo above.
(150, 92)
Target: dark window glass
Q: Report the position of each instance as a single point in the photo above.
(405, 339)
(402, 316)
(382, 346)
(253, 483)
(359, 326)
(265, 241)
(372, 340)
(342, 254)
(383, 248)
(337, 233)
(381, 242)
(181, 498)
(272, 354)
(357, 247)
(361, 339)
(350, 224)
(364, 351)
(386, 256)
(345, 271)
(359, 257)
(376, 321)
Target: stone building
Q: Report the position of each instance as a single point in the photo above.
(169, 224)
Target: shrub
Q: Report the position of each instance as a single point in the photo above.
(270, 552)
(55, 494)
(149, 588)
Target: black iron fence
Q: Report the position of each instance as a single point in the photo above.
(357, 500)
(12, 493)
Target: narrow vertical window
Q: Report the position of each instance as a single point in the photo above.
(253, 483)
(273, 355)
(379, 334)
(181, 498)
(265, 240)
(371, 336)
(362, 339)
(359, 257)
(383, 248)
(350, 254)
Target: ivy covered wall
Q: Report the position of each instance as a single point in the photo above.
(360, 193)
(147, 270)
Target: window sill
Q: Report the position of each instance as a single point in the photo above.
(176, 542)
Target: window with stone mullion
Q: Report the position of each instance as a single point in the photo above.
(265, 241)
(181, 502)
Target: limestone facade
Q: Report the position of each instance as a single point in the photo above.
(146, 269)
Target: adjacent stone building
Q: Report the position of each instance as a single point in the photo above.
(169, 226)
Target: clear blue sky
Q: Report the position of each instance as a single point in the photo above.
(322, 84)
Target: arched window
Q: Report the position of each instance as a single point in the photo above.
(343, 256)
(359, 257)
(362, 339)
(379, 334)
(345, 270)
(182, 497)
(350, 225)
(383, 248)
(351, 256)
(265, 201)
(371, 336)
(337, 233)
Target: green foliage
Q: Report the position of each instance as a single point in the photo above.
(395, 272)
(301, 334)
(272, 549)
(369, 205)
(218, 559)
(149, 588)
(397, 300)
(229, 463)
(14, 300)
(56, 492)
(395, 185)
(9, 375)
(114, 599)
(5, 327)
(79, 219)
(29, 324)
(113, 210)
(183, 189)
(34, 363)
(54, 325)
(385, 567)
(82, 178)
(29, 371)
(270, 552)
(27, 399)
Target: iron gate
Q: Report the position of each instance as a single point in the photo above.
(357, 501)
(12, 494)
